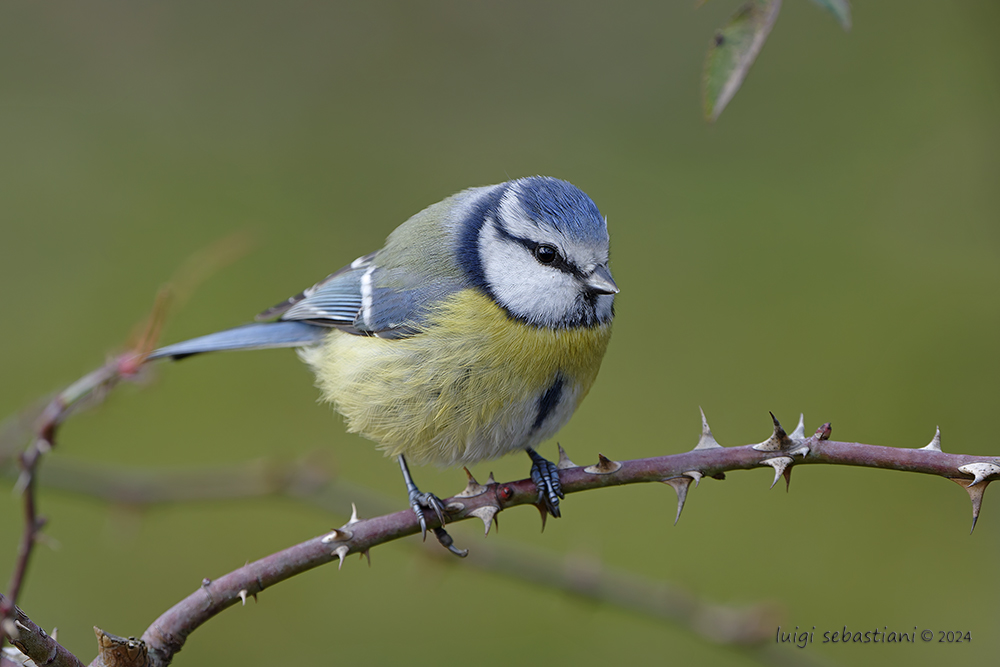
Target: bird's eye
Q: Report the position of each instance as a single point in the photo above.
(546, 254)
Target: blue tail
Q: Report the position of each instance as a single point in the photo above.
(248, 337)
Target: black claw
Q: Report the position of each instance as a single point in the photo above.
(445, 539)
(420, 517)
(545, 475)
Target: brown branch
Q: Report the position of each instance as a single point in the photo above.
(93, 388)
(33, 642)
(94, 385)
(781, 451)
(588, 577)
(168, 633)
(308, 480)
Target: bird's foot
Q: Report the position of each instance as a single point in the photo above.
(545, 475)
(420, 501)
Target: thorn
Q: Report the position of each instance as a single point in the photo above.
(707, 440)
(779, 439)
(564, 461)
(778, 430)
(787, 473)
(454, 508)
(473, 488)
(799, 434)
(935, 444)
(696, 476)
(980, 471)
(354, 515)
(54, 634)
(779, 463)
(487, 513)
(338, 535)
(341, 552)
(490, 480)
(23, 479)
(46, 539)
(10, 629)
(803, 450)
(367, 554)
(823, 432)
(680, 485)
(975, 495)
(243, 596)
(605, 466)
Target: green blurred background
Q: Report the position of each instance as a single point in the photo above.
(830, 247)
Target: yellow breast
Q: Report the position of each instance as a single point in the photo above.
(470, 388)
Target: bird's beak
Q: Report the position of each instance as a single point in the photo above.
(601, 282)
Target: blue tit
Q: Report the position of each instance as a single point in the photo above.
(475, 332)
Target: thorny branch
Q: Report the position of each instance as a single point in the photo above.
(92, 388)
(312, 480)
(32, 641)
(781, 451)
(55, 412)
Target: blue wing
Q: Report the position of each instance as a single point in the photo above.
(349, 300)
(334, 301)
(357, 300)
(306, 318)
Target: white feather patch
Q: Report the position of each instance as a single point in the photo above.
(366, 296)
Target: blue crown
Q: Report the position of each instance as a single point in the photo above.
(561, 205)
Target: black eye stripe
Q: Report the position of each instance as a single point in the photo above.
(559, 262)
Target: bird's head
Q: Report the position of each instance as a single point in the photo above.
(539, 247)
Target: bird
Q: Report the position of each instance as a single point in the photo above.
(475, 332)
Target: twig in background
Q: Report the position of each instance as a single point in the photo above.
(89, 390)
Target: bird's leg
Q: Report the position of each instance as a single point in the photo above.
(420, 501)
(545, 475)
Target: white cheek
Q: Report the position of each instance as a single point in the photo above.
(529, 290)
